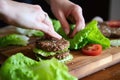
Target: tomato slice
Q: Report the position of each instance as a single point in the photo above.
(92, 49)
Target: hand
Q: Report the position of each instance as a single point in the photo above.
(64, 9)
(28, 16)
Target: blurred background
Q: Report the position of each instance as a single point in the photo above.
(106, 9)
(114, 12)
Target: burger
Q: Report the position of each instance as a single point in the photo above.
(110, 29)
(49, 48)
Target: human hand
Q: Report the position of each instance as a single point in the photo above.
(63, 10)
(27, 16)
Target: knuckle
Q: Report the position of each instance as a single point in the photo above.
(78, 7)
(37, 7)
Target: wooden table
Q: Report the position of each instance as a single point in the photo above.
(110, 73)
(82, 66)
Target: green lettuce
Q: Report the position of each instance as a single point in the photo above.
(90, 34)
(13, 39)
(43, 53)
(58, 28)
(20, 67)
(56, 24)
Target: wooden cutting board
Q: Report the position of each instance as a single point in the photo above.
(80, 66)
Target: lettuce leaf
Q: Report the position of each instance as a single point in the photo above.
(90, 34)
(20, 67)
(95, 35)
(56, 24)
(43, 53)
(13, 39)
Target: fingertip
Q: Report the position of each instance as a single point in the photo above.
(83, 26)
(56, 35)
(65, 24)
(73, 34)
(67, 31)
(77, 29)
(66, 28)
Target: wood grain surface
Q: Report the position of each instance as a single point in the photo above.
(80, 66)
(110, 73)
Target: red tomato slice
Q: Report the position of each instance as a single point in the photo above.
(92, 49)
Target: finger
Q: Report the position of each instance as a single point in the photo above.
(51, 32)
(47, 36)
(55, 35)
(48, 30)
(78, 27)
(47, 19)
(64, 23)
(80, 23)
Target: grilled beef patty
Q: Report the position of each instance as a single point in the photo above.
(49, 48)
(52, 44)
(111, 32)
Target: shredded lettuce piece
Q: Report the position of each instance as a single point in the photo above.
(20, 67)
(13, 39)
(30, 32)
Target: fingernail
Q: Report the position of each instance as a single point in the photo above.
(60, 37)
(66, 31)
(56, 35)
